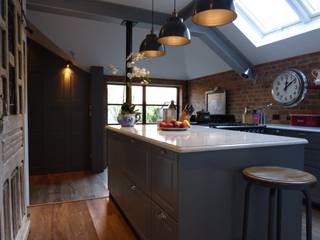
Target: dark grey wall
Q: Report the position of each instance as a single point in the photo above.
(59, 121)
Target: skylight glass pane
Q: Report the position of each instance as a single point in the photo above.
(313, 6)
(269, 15)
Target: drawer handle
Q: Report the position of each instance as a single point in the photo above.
(161, 216)
(133, 188)
(132, 141)
(301, 134)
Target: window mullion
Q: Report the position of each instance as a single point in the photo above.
(300, 10)
(144, 105)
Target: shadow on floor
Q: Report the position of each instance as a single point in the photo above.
(64, 187)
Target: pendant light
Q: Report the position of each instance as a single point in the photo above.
(174, 32)
(150, 47)
(211, 13)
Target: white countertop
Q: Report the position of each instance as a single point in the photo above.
(199, 139)
(294, 128)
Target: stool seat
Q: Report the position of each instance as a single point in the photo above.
(278, 176)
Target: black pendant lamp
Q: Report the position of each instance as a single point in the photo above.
(174, 32)
(150, 47)
(211, 13)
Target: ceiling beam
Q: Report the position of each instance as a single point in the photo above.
(96, 10)
(217, 42)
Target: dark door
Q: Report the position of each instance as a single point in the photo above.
(58, 114)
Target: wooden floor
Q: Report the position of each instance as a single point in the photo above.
(67, 187)
(96, 219)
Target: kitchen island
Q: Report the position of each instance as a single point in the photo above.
(188, 185)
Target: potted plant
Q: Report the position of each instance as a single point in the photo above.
(128, 115)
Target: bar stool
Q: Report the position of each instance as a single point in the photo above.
(278, 179)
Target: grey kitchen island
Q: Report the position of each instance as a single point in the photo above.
(188, 185)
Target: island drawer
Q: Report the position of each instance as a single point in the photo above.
(137, 207)
(164, 190)
(163, 226)
(137, 166)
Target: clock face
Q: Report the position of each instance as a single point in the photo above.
(290, 88)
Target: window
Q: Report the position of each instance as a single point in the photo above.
(156, 98)
(313, 6)
(267, 21)
(116, 97)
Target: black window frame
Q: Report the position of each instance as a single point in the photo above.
(144, 103)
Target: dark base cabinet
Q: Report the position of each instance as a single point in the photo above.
(311, 158)
(167, 195)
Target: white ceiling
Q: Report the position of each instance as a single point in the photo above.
(100, 44)
(290, 47)
(165, 6)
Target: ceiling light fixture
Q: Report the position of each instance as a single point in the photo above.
(150, 47)
(211, 13)
(174, 32)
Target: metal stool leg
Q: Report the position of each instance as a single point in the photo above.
(308, 214)
(246, 212)
(271, 214)
(279, 214)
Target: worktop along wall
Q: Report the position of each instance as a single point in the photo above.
(242, 93)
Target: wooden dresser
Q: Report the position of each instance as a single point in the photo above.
(14, 222)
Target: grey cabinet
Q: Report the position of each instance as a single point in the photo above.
(116, 156)
(137, 164)
(163, 226)
(167, 195)
(137, 207)
(312, 154)
(129, 180)
(165, 179)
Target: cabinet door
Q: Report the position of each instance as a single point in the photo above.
(163, 226)
(7, 212)
(137, 207)
(165, 180)
(137, 164)
(116, 155)
(15, 202)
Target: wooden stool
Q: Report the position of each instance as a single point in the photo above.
(278, 179)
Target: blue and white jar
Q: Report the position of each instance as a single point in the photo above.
(128, 120)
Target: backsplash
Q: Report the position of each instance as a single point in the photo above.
(242, 93)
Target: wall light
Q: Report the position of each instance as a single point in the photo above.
(67, 72)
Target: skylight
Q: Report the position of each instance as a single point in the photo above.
(267, 21)
(313, 6)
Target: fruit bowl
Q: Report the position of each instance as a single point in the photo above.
(173, 129)
(174, 125)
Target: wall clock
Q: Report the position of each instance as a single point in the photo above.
(290, 88)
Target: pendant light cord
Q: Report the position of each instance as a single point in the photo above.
(152, 29)
(175, 7)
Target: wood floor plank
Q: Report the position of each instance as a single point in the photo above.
(109, 224)
(97, 219)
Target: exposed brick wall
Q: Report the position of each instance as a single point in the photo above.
(242, 93)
